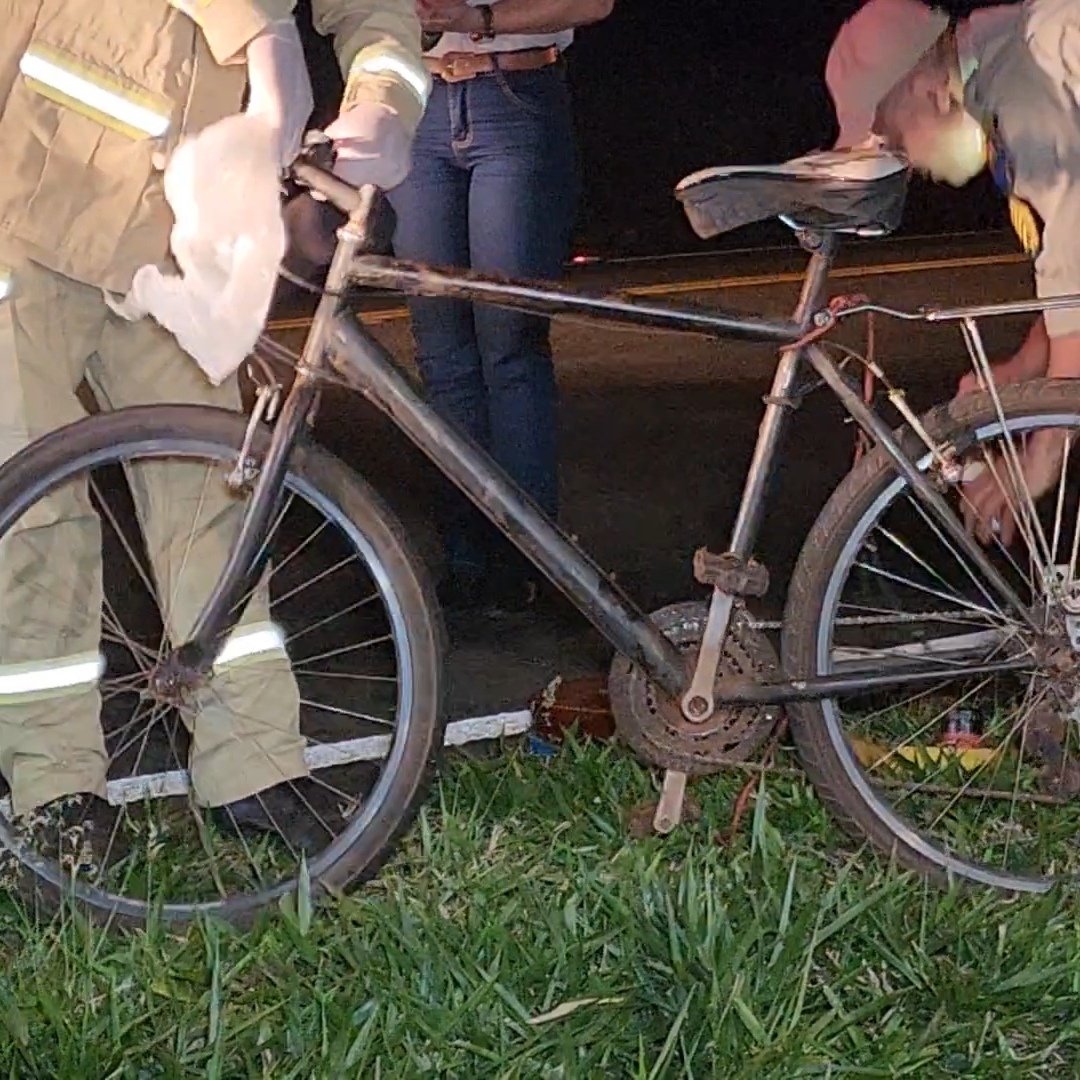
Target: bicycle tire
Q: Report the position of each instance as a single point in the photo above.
(105, 437)
(823, 761)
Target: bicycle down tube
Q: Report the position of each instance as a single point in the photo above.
(248, 554)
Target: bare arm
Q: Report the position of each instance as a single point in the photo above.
(1056, 358)
(1034, 354)
(1064, 357)
(514, 16)
(548, 16)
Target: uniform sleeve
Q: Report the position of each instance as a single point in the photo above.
(1057, 266)
(378, 47)
(1052, 35)
(230, 25)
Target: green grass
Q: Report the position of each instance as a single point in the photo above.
(521, 934)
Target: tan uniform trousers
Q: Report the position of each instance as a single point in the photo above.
(245, 723)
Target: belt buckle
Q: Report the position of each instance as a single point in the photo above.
(459, 67)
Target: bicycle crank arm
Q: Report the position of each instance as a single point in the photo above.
(698, 703)
(670, 805)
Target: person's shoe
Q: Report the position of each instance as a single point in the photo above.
(64, 829)
(513, 591)
(278, 811)
(461, 592)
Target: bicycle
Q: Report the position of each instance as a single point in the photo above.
(695, 686)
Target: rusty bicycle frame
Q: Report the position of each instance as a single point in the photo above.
(339, 343)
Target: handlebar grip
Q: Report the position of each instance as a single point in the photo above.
(313, 170)
(342, 195)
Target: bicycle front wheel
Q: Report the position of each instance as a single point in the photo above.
(149, 499)
(971, 778)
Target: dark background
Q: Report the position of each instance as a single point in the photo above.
(665, 87)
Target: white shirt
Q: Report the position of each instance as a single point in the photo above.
(503, 42)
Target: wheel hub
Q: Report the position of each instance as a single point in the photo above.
(175, 683)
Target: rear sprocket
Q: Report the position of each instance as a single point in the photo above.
(654, 726)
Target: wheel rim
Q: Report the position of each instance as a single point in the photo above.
(855, 773)
(373, 805)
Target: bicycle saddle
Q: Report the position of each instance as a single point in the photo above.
(860, 191)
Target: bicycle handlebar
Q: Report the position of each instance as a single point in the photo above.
(313, 170)
(332, 188)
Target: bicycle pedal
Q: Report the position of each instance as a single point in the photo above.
(639, 820)
(730, 573)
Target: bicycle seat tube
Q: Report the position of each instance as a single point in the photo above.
(698, 702)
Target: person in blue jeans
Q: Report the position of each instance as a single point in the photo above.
(492, 188)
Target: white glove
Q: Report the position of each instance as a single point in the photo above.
(280, 88)
(372, 146)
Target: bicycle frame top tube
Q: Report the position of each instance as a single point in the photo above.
(410, 279)
(551, 300)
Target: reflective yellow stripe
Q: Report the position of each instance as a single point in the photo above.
(193, 9)
(71, 84)
(249, 644)
(43, 680)
(385, 62)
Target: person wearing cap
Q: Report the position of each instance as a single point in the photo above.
(1000, 88)
(492, 189)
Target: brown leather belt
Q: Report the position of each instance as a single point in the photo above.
(458, 66)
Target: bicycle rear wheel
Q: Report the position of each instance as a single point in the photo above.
(364, 640)
(927, 775)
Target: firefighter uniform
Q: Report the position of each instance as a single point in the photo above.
(1023, 84)
(92, 99)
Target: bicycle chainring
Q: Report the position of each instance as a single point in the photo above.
(654, 726)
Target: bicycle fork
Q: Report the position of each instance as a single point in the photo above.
(735, 574)
(250, 553)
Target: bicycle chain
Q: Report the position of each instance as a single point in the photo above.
(866, 620)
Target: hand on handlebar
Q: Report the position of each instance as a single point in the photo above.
(371, 144)
(366, 147)
(313, 218)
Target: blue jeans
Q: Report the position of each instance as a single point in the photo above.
(492, 188)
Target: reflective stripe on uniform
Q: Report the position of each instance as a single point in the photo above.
(7, 283)
(386, 62)
(249, 644)
(41, 680)
(64, 80)
(193, 9)
(44, 679)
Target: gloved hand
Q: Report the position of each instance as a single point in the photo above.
(280, 89)
(372, 146)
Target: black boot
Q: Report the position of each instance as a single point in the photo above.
(278, 811)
